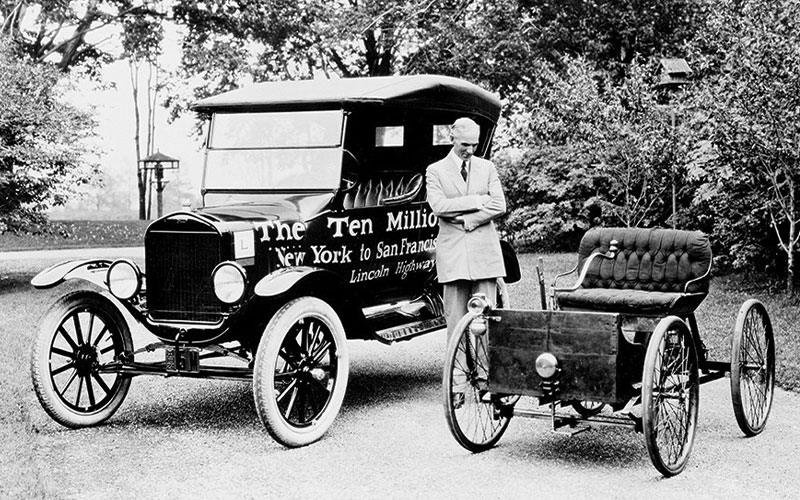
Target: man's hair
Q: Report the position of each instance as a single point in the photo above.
(463, 125)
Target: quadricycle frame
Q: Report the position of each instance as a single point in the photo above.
(629, 356)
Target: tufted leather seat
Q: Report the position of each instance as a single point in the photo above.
(387, 189)
(655, 272)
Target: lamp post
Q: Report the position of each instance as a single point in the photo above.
(157, 163)
(675, 73)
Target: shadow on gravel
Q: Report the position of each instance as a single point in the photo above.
(15, 282)
(365, 390)
(603, 447)
(193, 404)
(209, 404)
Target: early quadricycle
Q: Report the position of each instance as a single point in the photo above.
(314, 229)
(620, 347)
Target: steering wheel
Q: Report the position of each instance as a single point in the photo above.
(350, 169)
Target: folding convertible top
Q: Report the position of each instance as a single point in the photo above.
(415, 91)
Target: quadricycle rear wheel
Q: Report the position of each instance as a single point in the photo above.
(752, 367)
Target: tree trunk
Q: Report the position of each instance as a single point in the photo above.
(379, 62)
(141, 174)
(72, 49)
(790, 242)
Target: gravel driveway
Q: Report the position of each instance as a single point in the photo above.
(201, 439)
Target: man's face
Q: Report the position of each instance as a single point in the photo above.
(465, 141)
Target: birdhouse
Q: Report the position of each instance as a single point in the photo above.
(674, 73)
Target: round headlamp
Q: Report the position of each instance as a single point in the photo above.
(124, 279)
(477, 304)
(230, 282)
(478, 326)
(546, 365)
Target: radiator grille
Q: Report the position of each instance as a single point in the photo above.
(178, 267)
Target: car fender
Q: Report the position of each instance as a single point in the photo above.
(287, 278)
(91, 270)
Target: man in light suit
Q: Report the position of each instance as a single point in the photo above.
(465, 193)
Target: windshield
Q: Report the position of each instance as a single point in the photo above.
(273, 169)
(298, 129)
(286, 150)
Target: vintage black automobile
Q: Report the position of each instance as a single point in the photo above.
(314, 229)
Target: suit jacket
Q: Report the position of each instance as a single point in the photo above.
(471, 250)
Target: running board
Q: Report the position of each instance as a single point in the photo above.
(409, 330)
(406, 308)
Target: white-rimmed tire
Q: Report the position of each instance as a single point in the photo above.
(82, 332)
(301, 371)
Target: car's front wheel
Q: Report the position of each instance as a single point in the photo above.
(301, 371)
(82, 332)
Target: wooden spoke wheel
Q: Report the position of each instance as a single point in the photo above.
(82, 332)
(301, 372)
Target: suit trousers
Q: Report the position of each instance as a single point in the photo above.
(457, 294)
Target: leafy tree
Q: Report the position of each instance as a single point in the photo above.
(547, 158)
(502, 43)
(142, 47)
(44, 156)
(59, 31)
(232, 41)
(613, 33)
(576, 154)
(490, 42)
(750, 61)
(56, 30)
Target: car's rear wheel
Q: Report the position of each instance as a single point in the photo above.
(301, 372)
(80, 333)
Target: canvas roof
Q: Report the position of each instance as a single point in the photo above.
(423, 91)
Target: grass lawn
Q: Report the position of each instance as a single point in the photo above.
(79, 234)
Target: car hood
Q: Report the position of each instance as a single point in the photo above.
(240, 207)
(239, 215)
(251, 212)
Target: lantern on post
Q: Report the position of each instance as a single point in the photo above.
(674, 74)
(156, 163)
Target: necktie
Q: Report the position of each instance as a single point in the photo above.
(464, 170)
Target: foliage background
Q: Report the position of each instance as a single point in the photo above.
(587, 136)
(44, 152)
